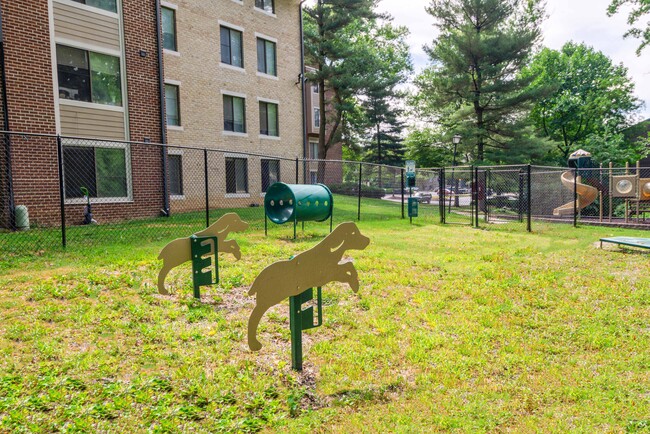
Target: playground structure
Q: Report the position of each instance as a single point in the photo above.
(631, 187)
(295, 203)
(586, 195)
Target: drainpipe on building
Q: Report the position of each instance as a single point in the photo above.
(163, 129)
(303, 82)
(7, 137)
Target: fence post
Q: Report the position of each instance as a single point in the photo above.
(476, 195)
(520, 205)
(529, 202)
(207, 195)
(575, 198)
(298, 170)
(59, 154)
(359, 193)
(402, 190)
(441, 194)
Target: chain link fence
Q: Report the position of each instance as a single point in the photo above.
(63, 191)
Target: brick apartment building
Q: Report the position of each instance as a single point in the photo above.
(333, 172)
(228, 78)
(232, 82)
(83, 68)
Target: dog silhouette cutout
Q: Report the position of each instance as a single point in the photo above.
(310, 269)
(179, 251)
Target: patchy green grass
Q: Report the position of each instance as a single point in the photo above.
(453, 329)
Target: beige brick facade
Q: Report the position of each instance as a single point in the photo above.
(197, 69)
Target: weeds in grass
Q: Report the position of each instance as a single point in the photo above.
(453, 329)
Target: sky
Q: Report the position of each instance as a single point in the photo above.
(577, 20)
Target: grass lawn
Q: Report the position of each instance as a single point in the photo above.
(453, 329)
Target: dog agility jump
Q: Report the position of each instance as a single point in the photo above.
(310, 269)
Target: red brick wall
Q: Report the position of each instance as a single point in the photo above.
(31, 109)
(143, 97)
(144, 114)
(31, 104)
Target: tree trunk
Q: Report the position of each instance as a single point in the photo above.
(480, 144)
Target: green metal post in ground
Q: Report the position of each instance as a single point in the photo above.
(300, 320)
(202, 267)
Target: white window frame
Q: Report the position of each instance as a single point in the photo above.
(175, 127)
(164, 4)
(96, 49)
(268, 14)
(313, 117)
(277, 69)
(241, 157)
(239, 29)
(311, 149)
(175, 151)
(92, 143)
(270, 101)
(238, 95)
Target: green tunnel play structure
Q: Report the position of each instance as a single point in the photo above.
(298, 203)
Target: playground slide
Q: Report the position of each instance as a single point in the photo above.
(586, 194)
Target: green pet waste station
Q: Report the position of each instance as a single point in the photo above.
(295, 203)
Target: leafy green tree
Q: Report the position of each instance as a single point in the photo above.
(473, 85)
(590, 98)
(428, 148)
(610, 146)
(640, 8)
(330, 31)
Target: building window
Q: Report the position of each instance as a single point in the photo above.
(314, 150)
(314, 88)
(313, 177)
(265, 5)
(172, 105)
(269, 119)
(99, 169)
(232, 47)
(270, 173)
(88, 76)
(169, 28)
(317, 117)
(175, 174)
(107, 5)
(234, 114)
(236, 175)
(266, 57)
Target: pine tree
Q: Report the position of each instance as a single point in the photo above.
(473, 85)
(329, 47)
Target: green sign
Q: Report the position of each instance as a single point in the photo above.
(413, 206)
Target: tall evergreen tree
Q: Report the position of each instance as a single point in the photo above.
(473, 85)
(330, 47)
(390, 64)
